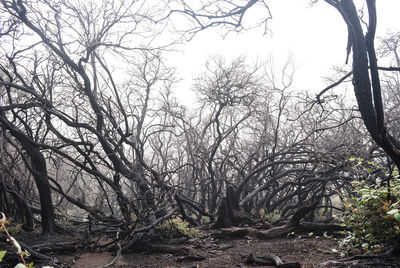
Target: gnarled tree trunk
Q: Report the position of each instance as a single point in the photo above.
(39, 171)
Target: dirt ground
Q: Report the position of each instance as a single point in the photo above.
(310, 252)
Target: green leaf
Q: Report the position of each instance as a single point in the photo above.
(352, 159)
(327, 236)
(397, 217)
(2, 253)
(393, 211)
(25, 253)
(365, 196)
(290, 234)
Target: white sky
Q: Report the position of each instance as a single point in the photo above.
(315, 36)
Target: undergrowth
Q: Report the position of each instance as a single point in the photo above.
(176, 227)
(372, 215)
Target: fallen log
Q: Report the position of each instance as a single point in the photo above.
(275, 232)
(292, 226)
(271, 260)
(57, 247)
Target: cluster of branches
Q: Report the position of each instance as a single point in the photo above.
(87, 113)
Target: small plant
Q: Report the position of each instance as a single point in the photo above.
(270, 217)
(22, 253)
(372, 216)
(13, 242)
(177, 227)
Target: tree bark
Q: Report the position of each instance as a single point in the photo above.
(369, 97)
(229, 212)
(39, 171)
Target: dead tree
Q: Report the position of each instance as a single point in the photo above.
(367, 84)
(229, 212)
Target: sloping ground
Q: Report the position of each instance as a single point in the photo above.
(309, 252)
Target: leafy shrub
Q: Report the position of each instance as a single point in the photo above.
(177, 227)
(270, 217)
(372, 216)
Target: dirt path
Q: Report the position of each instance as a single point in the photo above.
(309, 252)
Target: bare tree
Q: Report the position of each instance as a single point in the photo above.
(366, 78)
(95, 122)
(87, 105)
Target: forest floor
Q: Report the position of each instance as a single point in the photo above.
(310, 252)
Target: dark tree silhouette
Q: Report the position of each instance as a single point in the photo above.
(367, 84)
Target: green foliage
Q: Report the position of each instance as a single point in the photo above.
(270, 217)
(177, 227)
(2, 253)
(325, 235)
(205, 220)
(372, 216)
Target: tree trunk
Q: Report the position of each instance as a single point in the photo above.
(368, 95)
(229, 212)
(39, 172)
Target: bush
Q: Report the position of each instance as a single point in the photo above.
(176, 227)
(372, 216)
(270, 217)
